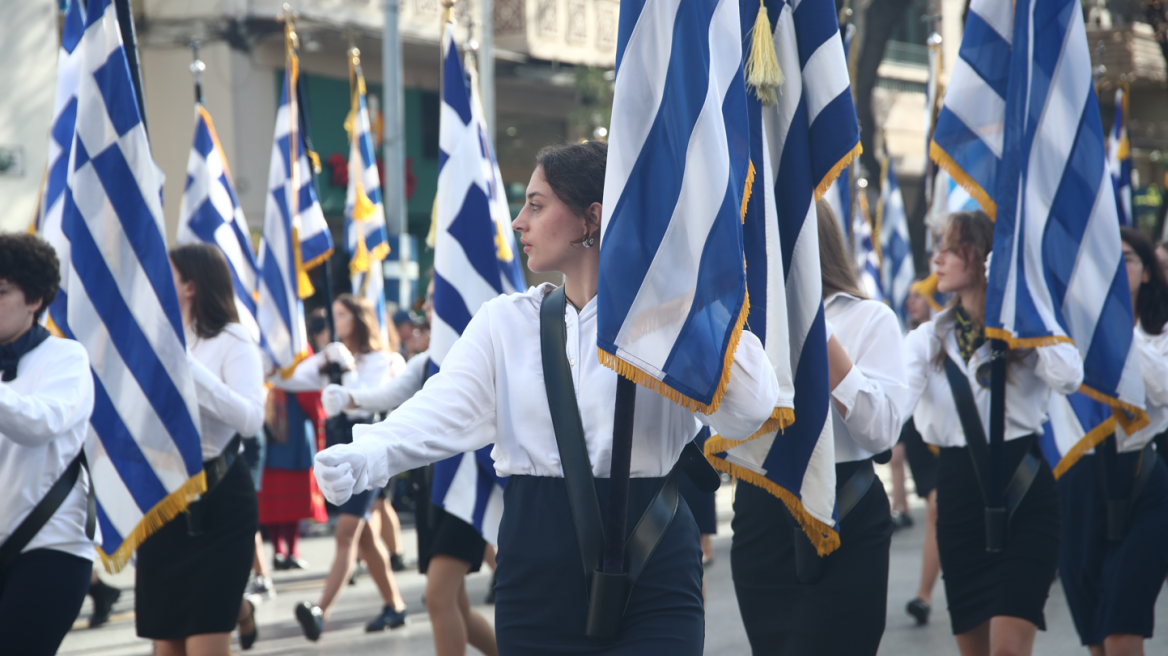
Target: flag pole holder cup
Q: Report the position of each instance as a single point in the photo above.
(606, 605)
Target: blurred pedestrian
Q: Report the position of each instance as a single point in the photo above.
(46, 396)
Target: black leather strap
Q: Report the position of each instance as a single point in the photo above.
(577, 468)
(975, 438)
(1119, 505)
(44, 510)
(854, 489)
(651, 527)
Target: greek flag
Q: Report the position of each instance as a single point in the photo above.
(1119, 159)
(69, 69)
(967, 140)
(366, 239)
(672, 296)
(809, 137)
(295, 237)
(867, 251)
(211, 214)
(897, 270)
(474, 261)
(1058, 271)
(143, 449)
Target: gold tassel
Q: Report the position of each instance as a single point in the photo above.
(359, 263)
(304, 287)
(762, 64)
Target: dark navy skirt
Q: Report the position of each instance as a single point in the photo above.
(703, 505)
(1111, 587)
(541, 598)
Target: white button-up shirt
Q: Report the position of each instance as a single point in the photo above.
(874, 393)
(1153, 350)
(229, 380)
(1029, 382)
(491, 390)
(44, 417)
(374, 369)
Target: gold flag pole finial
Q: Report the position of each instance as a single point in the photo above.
(448, 11)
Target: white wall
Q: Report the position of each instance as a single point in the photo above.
(28, 47)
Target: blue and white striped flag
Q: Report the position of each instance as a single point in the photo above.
(69, 67)
(1119, 159)
(897, 270)
(1058, 272)
(867, 250)
(967, 141)
(211, 214)
(468, 271)
(672, 296)
(295, 237)
(366, 239)
(144, 448)
(809, 137)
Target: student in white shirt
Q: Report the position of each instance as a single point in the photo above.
(191, 573)
(995, 599)
(448, 547)
(46, 397)
(491, 389)
(841, 608)
(1113, 577)
(372, 366)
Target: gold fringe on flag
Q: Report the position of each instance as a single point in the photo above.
(762, 63)
(1089, 441)
(825, 538)
(927, 288)
(835, 171)
(778, 422)
(162, 512)
(942, 159)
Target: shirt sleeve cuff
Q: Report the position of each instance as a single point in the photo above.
(847, 390)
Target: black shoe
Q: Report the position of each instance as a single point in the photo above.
(388, 619)
(292, 562)
(104, 597)
(358, 570)
(901, 520)
(246, 640)
(919, 610)
(397, 563)
(491, 592)
(279, 563)
(311, 620)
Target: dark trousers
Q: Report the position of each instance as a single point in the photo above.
(40, 600)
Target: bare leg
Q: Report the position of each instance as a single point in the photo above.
(378, 563)
(489, 557)
(479, 633)
(170, 648)
(209, 644)
(444, 583)
(348, 526)
(1096, 650)
(1011, 636)
(975, 642)
(930, 558)
(390, 526)
(259, 565)
(1124, 644)
(899, 495)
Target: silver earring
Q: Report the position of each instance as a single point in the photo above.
(590, 242)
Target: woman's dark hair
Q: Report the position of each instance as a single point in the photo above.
(31, 264)
(366, 336)
(970, 235)
(575, 172)
(837, 269)
(1152, 298)
(214, 304)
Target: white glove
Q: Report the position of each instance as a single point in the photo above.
(336, 353)
(334, 398)
(341, 471)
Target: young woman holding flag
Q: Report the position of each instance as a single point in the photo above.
(790, 598)
(1114, 559)
(492, 389)
(191, 573)
(995, 599)
(372, 366)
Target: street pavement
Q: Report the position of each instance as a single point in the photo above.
(345, 633)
